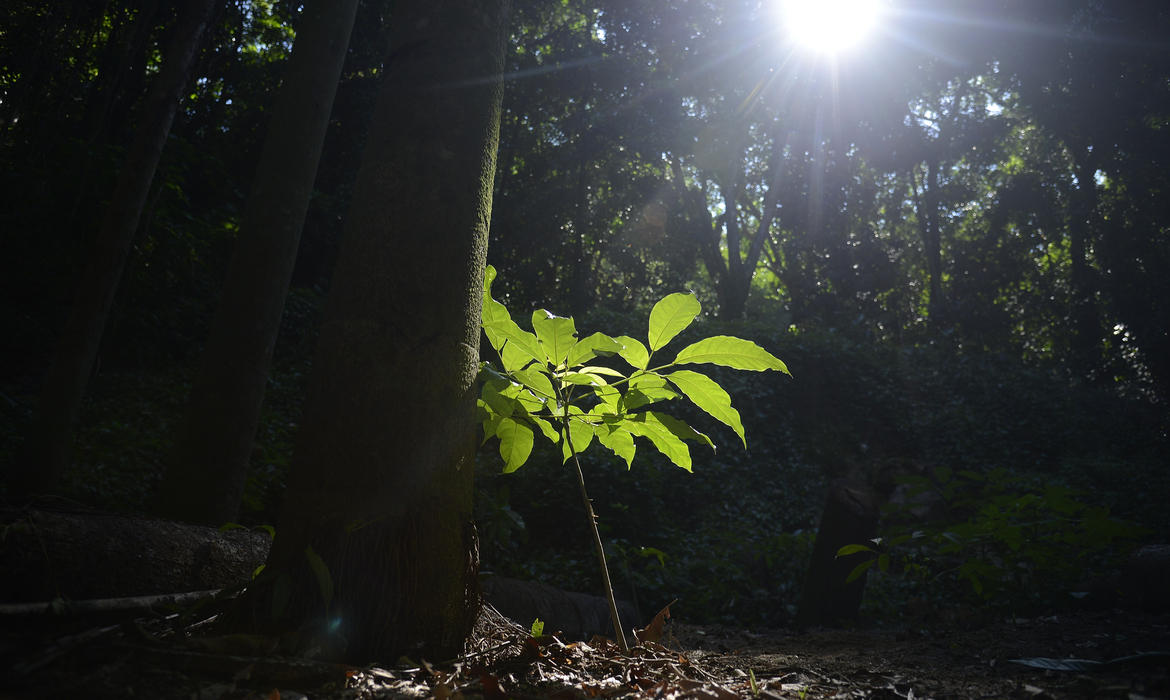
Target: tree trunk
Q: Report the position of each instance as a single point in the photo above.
(850, 517)
(381, 482)
(43, 453)
(208, 462)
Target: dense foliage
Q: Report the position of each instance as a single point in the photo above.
(957, 239)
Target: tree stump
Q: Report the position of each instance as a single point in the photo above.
(850, 516)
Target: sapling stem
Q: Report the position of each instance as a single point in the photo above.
(613, 611)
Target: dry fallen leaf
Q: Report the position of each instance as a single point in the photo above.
(653, 631)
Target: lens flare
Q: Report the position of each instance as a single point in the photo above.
(831, 25)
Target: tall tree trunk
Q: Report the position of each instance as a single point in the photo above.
(381, 481)
(43, 453)
(208, 461)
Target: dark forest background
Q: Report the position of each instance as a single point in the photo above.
(957, 238)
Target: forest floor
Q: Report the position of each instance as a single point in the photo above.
(701, 663)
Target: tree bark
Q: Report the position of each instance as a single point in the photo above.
(850, 517)
(208, 462)
(381, 481)
(44, 450)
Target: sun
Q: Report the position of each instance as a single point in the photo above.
(831, 26)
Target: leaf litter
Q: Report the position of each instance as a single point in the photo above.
(149, 658)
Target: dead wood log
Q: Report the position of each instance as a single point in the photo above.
(575, 615)
(850, 516)
(117, 607)
(88, 555)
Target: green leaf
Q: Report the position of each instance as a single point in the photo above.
(669, 316)
(853, 549)
(727, 351)
(492, 394)
(590, 369)
(583, 378)
(536, 380)
(589, 348)
(681, 430)
(556, 333)
(490, 427)
(709, 396)
(859, 570)
(609, 398)
(492, 310)
(321, 571)
(537, 628)
(515, 443)
(522, 347)
(581, 434)
(633, 351)
(620, 441)
(645, 389)
(647, 425)
(545, 427)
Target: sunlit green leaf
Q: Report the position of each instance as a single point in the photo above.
(648, 426)
(588, 348)
(633, 351)
(609, 397)
(580, 432)
(556, 333)
(646, 389)
(537, 381)
(709, 396)
(492, 310)
(681, 430)
(727, 351)
(591, 369)
(492, 395)
(583, 378)
(524, 346)
(669, 316)
(490, 426)
(617, 439)
(516, 440)
(547, 428)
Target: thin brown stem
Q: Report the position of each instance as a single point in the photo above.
(613, 611)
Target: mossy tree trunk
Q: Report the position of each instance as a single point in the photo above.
(208, 461)
(381, 481)
(42, 456)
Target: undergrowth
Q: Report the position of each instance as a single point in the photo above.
(732, 540)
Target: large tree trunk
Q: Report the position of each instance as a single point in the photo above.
(208, 462)
(381, 481)
(850, 517)
(43, 453)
